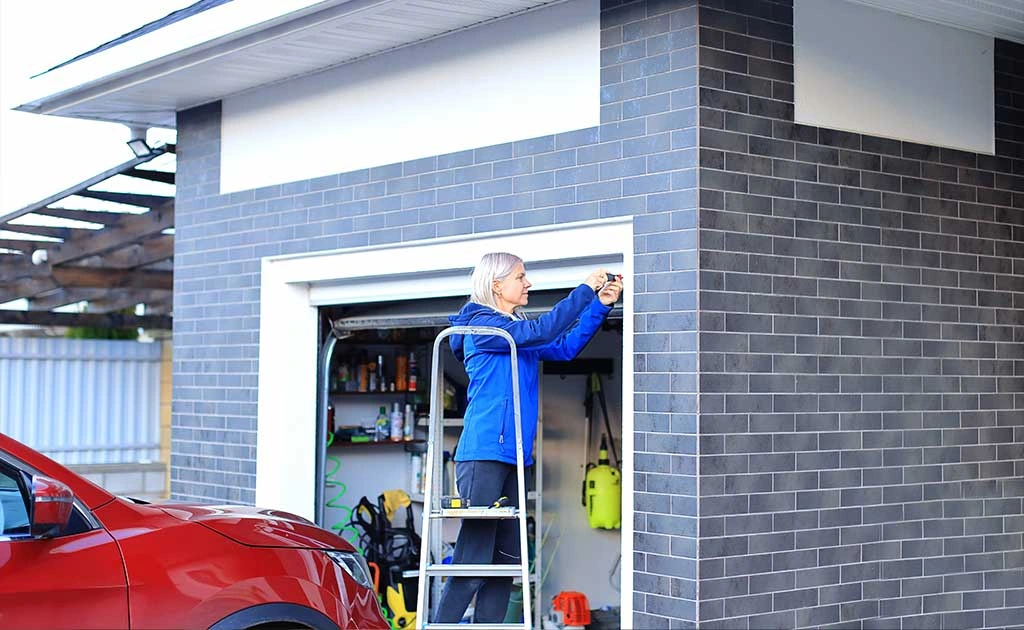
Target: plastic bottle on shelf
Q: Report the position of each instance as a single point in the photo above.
(408, 423)
(381, 427)
(396, 424)
(411, 381)
(401, 372)
(353, 376)
(382, 382)
(416, 479)
(343, 377)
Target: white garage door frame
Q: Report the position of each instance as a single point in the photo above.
(293, 287)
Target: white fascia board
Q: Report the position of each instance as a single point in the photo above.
(161, 45)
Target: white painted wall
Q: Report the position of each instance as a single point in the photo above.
(523, 77)
(861, 69)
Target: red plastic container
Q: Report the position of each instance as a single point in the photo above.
(574, 607)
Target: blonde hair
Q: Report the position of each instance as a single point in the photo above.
(492, 267)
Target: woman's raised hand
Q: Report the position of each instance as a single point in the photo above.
(596, 279)
(610, 293)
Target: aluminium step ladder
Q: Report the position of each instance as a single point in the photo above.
(434, 514)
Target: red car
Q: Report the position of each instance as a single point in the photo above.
(72, 555)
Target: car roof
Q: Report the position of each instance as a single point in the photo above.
(86, 491)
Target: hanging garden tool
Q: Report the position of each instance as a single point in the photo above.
(602, 483)
(602, 492)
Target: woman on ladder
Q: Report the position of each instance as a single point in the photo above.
(485, 460)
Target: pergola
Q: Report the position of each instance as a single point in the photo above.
(120, 253)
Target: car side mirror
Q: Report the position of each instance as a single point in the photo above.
(52, 501)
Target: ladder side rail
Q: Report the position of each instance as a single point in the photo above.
(524, 556)
(538, 511)
(434, 435)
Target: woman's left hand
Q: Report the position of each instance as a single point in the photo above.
(610, 293)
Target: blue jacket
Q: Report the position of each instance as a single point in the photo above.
(489, 431)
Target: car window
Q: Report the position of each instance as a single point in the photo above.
(13, 505)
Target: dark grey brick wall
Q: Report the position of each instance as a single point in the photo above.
(641, 161)
(861, 432)
(861, 444)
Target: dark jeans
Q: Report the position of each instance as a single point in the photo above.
(482, 542)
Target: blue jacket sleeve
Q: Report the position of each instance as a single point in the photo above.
(535, 332)
(566, 347)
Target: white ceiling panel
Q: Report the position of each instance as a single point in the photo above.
(999, 18)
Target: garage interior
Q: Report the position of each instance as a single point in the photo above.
(567, 554)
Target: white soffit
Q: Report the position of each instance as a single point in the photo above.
(1003, 19)
(312, 37)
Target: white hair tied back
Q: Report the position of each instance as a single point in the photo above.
(492, 267)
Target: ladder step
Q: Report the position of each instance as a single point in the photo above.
(475, 570)
(475, 626)
(481, 512)
(517, 580)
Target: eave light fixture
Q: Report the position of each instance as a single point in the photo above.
(137, 141)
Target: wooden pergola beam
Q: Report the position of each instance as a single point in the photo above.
(22, 246)
(91, 320)
(89, 216)
(130, 199)
(147, 252)
(116, 301)
(160, 308)
(92, 181)
(45, 230)
(163, 177)
(62, 297)
(108, 278)
(26, 288)
(130, 229)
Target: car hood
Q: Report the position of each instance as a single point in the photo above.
(257, 527)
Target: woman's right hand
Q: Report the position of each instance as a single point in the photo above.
(596, 279)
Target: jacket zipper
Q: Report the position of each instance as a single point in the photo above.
(501, 438)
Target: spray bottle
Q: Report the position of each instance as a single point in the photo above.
(396, 424)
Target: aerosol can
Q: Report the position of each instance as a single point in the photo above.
(602, 492)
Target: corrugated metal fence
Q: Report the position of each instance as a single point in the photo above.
(82, 401)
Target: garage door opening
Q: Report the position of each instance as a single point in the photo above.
(382, 345)
(294, 288)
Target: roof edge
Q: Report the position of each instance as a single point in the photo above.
(107, 70)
